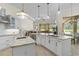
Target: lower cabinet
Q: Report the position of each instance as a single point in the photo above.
(53, 44)
(38, 39)
(66, 47)
(47, 42)
(5, 41)
(25, 50)
(43, 37)
(61, 47)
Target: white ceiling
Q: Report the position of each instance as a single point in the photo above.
(32, 9)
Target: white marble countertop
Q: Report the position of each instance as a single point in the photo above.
(6, 34)
(59, 36)
(65, 37)
(24, 41)
(17, 42)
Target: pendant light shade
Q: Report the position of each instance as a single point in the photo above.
(38, 12)
(22, 13)
(59, 9)
(48, 9)
(47, 17)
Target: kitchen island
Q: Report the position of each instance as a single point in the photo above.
(23, 47)
(16, 47)
(6, 40)
(60, 45)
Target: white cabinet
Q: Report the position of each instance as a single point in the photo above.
(64, 47)
(24, 50)
(53, 44)
(47, 42)
(37, 39)
(60, 46)
(40, 39)
(5, 41)
(43, 39)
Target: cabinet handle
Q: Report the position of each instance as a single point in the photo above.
(56, 43)
(7, 40)
(49, 41)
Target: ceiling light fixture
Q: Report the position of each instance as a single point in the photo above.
(47, 17)
(59, 9)
(22, 13)
(38, 12)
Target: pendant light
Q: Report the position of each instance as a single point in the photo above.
(47, 17)
(59, 9)
(22, 13)
(38, 12)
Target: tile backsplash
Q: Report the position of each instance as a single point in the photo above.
(2, 28)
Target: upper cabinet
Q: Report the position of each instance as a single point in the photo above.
(7, 20)
(45, 26)
(2, 12)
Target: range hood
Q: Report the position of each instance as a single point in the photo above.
(5, 19)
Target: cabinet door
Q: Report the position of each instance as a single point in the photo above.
(43, 40)
(59, 47)
(47, 42)
(53, 44)
(18, 51)
(66, 47)
(26, 50)
(30, 50)
(38, 39)
(5, 41)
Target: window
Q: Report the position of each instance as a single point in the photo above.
(46, 27)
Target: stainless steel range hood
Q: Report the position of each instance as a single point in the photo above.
(5, 19)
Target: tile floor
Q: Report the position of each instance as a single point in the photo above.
(41, 51)
(75, 50)
(6, 52)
